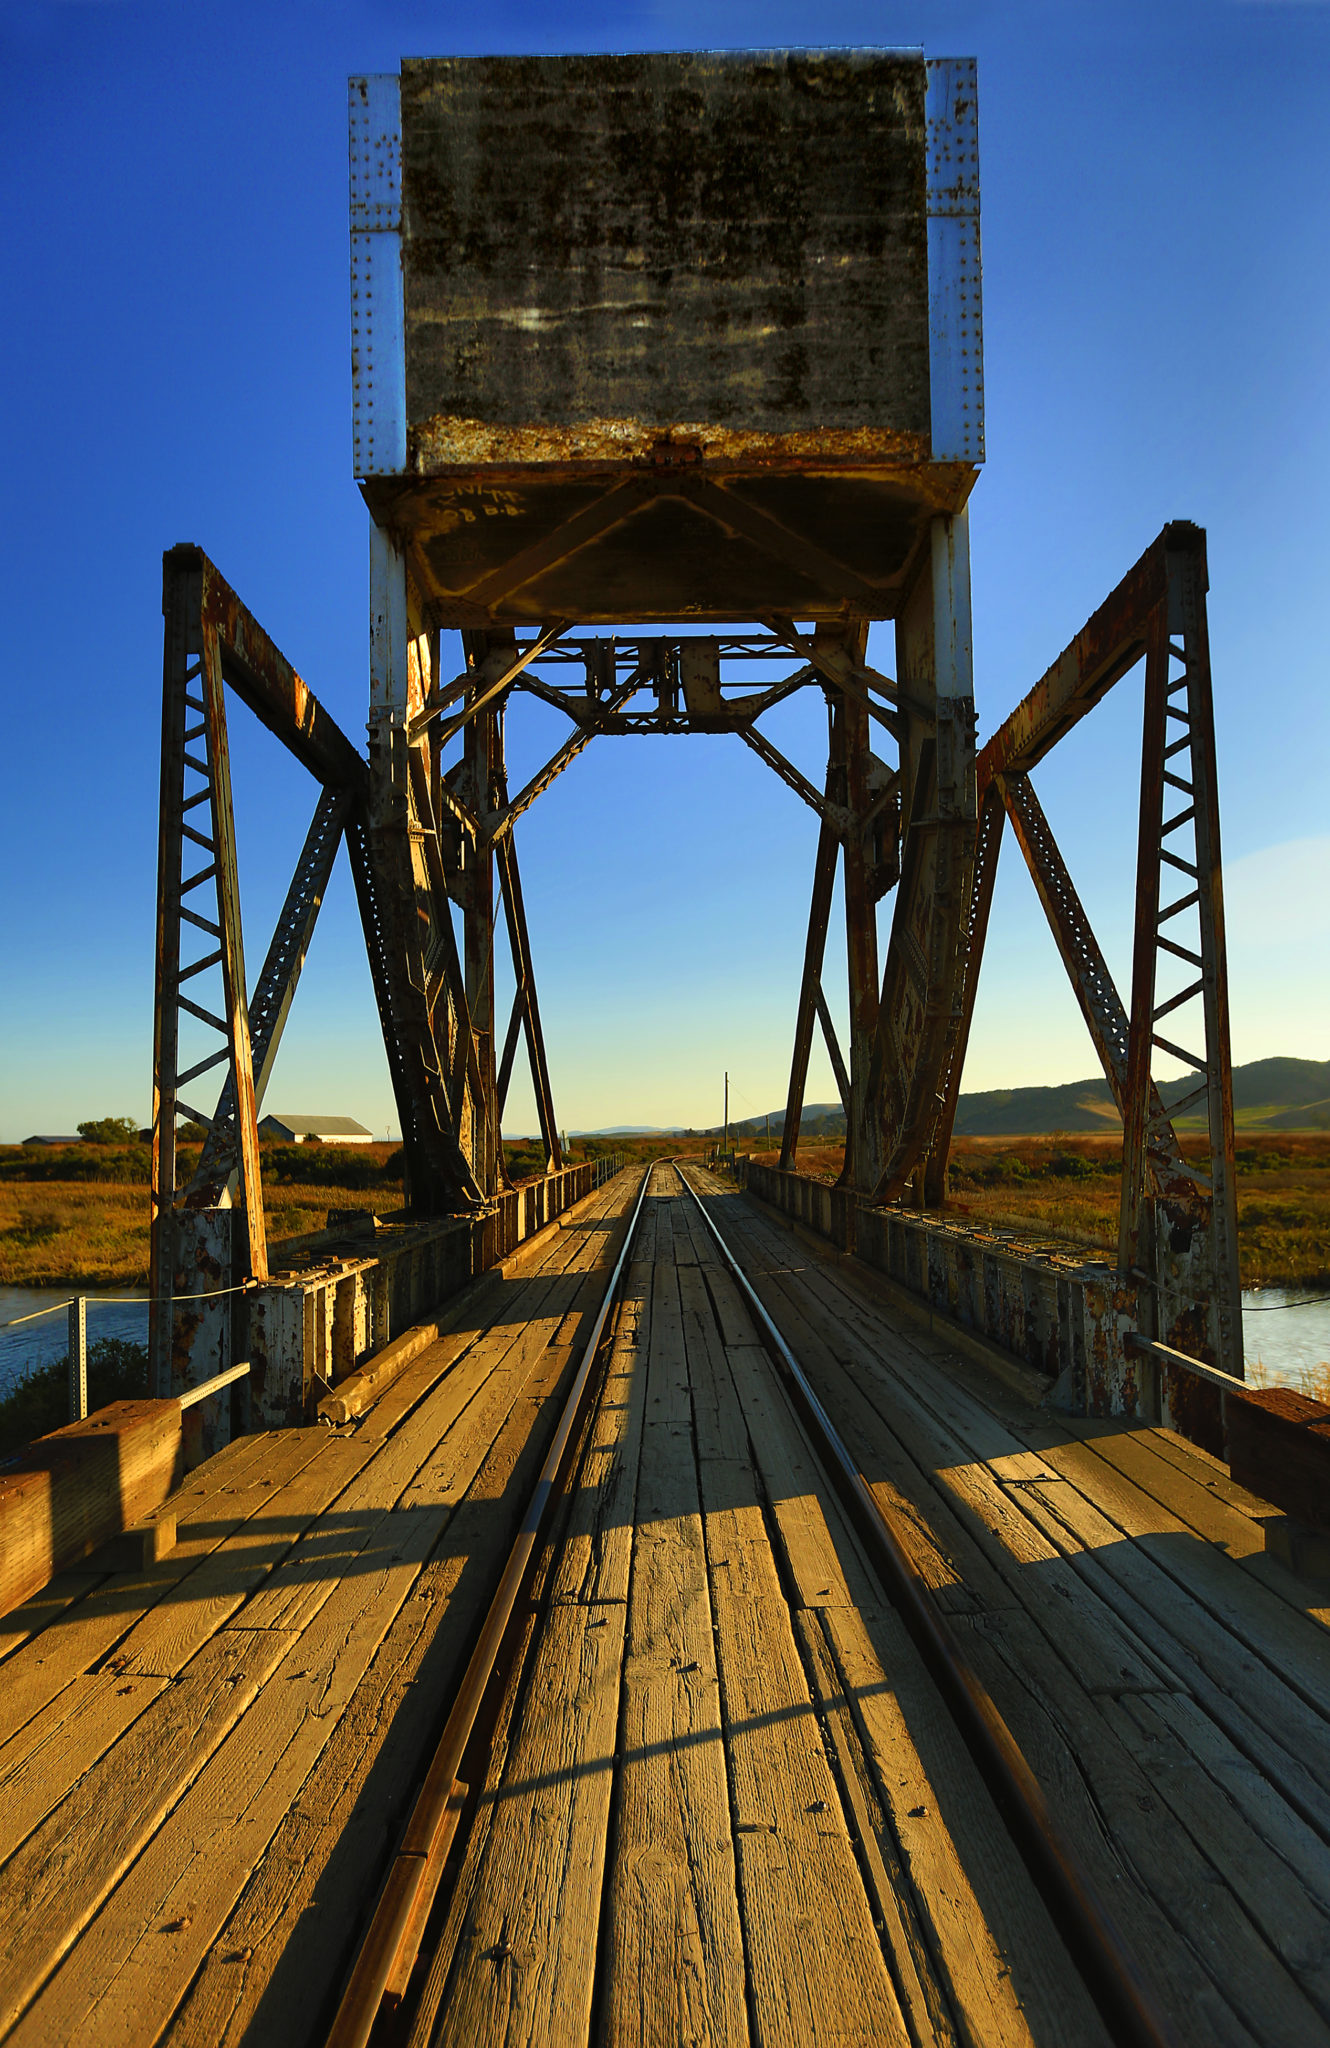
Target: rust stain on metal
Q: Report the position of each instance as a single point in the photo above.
(447, 442)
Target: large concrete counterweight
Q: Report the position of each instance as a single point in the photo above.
(669, 336)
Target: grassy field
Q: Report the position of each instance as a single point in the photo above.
(1066, 1189)
(78, 1217)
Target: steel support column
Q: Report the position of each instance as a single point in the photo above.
(1190, 1249)
(848, 784)
(988, 845)
(510, 883)
(810, 988)
(196, 812)
(402, 883)
(922, 1010)
(479, 787)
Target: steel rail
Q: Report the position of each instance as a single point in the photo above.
(391, 1942)
(1073, 1904)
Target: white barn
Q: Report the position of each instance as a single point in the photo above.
(329, 1130)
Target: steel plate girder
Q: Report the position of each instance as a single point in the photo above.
(1109, 643)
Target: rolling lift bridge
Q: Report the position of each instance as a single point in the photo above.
(632, 1605)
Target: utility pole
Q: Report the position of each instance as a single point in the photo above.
(726, 1145)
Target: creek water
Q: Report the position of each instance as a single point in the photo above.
(1286, 1333)
(45, 1341)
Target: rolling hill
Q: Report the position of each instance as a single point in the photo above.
(1273, 1095)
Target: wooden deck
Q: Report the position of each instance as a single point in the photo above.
(724, 1801)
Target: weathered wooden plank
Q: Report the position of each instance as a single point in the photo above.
(998, 1549)
(52, 1886)
(72, 1490)
(797, 1868)
(60, 1744)
(95, 1625)
(796, 1863)
(978, 1916)
(198, 1605)
(296, 1919)
(1189, 1774)
(674, 1958)
(926, 2005)
(498, 1302)
(1265, 1718)
(523, 1951)
(24, 1622)
(524, 1968)
(1245, 1787)
(1192, 1892)
(122, 1982)
(1188, 1497)
(1181, 1975)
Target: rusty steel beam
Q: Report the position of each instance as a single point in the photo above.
(1190, 1246)
(576, 742)
(834, 1053)
(234, 985)
(819, 913)
(854, 677)
(1167, 1171)
(1111, 642)
(510, 883)
(180, 667)
(367, 876)
(515, 1020)
(988, 843)
(484, 687)
(848, 780)
(406, 882)
(481, 781)
(264, 679)
(923, 980)
(212, 644)
(834, 815)
(217, 1172)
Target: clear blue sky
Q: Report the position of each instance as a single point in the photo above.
(175, 366)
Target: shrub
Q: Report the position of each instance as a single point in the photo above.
(39, 1402)
(110, 1130)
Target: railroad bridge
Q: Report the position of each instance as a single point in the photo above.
(672, 1604)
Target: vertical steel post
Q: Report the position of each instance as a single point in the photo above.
(848, 784)
(78, 1359)
(921, 1013)
(1189, 1248)
(988, 845)
(1188, 581)
(519, 940)
(819, 913)
(182, 589)
(233, 958)
(1145, 949)
(483, 757)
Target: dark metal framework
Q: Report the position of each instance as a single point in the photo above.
(442, 828)
(1178, 1217)
(429, 838)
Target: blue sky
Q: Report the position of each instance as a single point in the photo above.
(175, 365)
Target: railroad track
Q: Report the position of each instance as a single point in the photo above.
(426, 1959)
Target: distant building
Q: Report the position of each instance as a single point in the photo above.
(329, 1130)
(75, 1140)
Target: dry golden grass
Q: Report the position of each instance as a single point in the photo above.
(1066, 1189)
(95, 1233)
